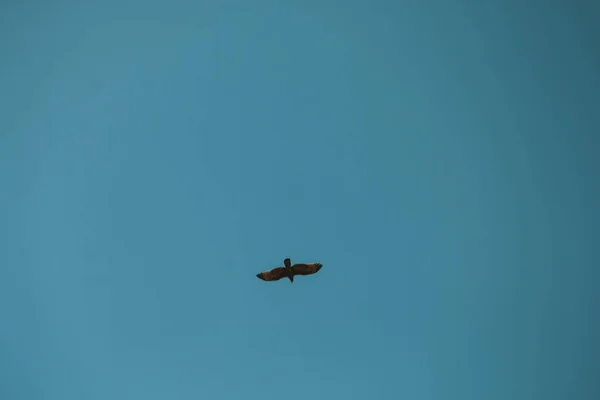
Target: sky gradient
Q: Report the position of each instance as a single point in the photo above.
(439, 158)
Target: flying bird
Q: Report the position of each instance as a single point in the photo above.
(289, 271)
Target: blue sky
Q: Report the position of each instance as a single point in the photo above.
(440, 159)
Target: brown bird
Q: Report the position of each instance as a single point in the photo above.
(289, 271)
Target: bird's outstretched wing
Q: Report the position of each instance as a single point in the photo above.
(306, 269)
(273, 275)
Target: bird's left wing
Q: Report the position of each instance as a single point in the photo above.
(306, 269)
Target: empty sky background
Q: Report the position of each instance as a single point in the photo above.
(440, 158)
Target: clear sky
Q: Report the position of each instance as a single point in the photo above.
(439, 158)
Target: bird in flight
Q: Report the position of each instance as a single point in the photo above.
(289, 271)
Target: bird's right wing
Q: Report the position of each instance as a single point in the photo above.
(273, 275)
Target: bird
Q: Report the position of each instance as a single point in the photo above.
(289, 271)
